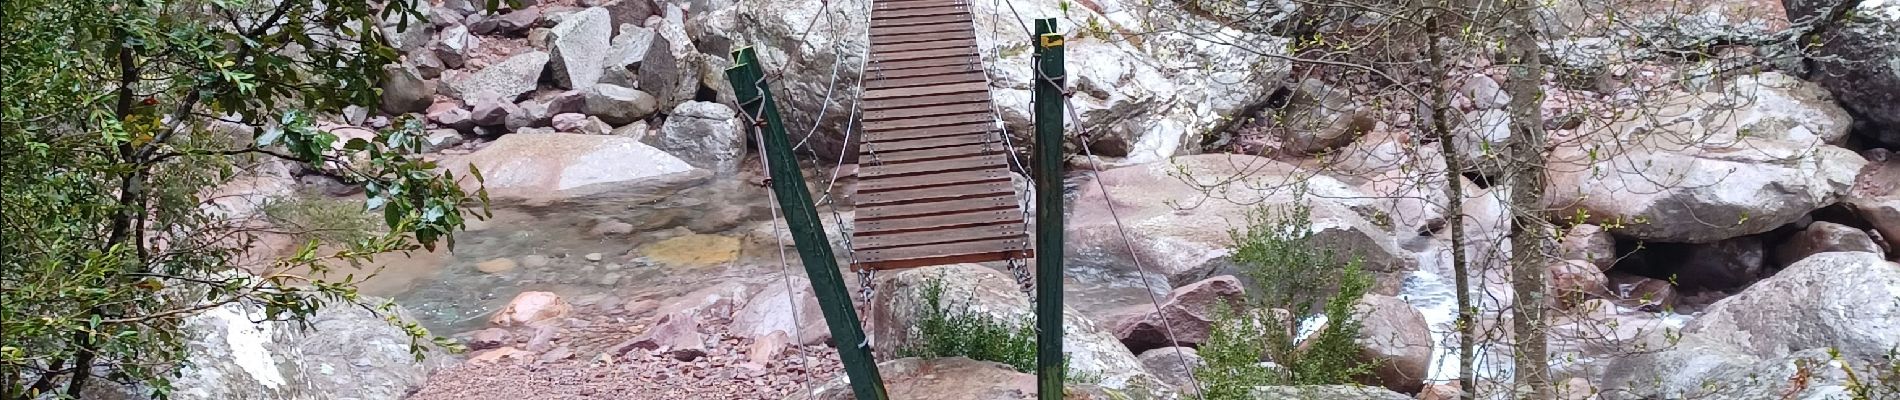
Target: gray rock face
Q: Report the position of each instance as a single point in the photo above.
(350, 353)
(456, 46)
(439, 139)
(1395, 337)
(512, 23)
(1319, 117)
(1860, 61)
(1839, 300)
(1173, 365)
(491, 112)
(618, 105)
(630, 46)
(625, 13)
(405, 91)
(505, 80)
(670, 70)
(1179, 214)
(1588, 243)
(1823, 237)
(1189, 309)
(567, 168)
(1662, 190)
(1090, 348)
(704, 134)
(577, 46)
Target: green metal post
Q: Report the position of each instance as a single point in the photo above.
(788, 184)
(1049, 251)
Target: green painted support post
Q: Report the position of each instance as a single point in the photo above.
(1049, 251)
(788, 183)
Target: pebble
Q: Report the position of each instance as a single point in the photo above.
(593, 256)
(535, 261)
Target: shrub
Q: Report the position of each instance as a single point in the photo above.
(1314, 285)
(952, 330)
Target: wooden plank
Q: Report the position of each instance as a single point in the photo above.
(999, 202)
(889, 104)
(893, 83)
(928, 122)
(955, 253)
(960, 19)
(921, 144)
(880, 73)
(952, 26)
(932, 132)
(916, 3)
(955, 42)
(937, 154)
(969, 61)
(893, 93)
(914, 239)
(891, 57)
(913, 169)
(944, 179)
(925, 10)
(926, 111)
(923, 37)
(935, 194)
(937, 222)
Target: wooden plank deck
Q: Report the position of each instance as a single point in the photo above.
(934, 187)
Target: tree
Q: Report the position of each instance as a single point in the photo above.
(120, 120)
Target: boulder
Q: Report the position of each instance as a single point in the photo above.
(714, 304)
(440, 139)
(452, 115)
(629, 48)
(670, 68)
(346, 352)
(1178, 214)
(1859, 60)
(628, 13)
(1574, 281)
(1174, 366)
(456, 46)
(1396, 339)
(1485, 93)
(674, 334)
(1325, 392)
(1695, 369)
(563, 167)
(503, 81)
(577, 46)
(491, 112)
(1189, 310)
(707, 135)
(511, 24)
(618, 105)
(976, 289)
(1480, 139)
(1656, 188)
(405, 91)
(1318, 117)
(1839, 300)
(1823, 237)
(1589, 243)
(530, 308)
(771, 310)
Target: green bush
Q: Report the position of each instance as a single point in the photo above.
(951, 330)
(1289, 273)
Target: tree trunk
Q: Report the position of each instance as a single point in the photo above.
(1524, 170)
(1454, 207)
